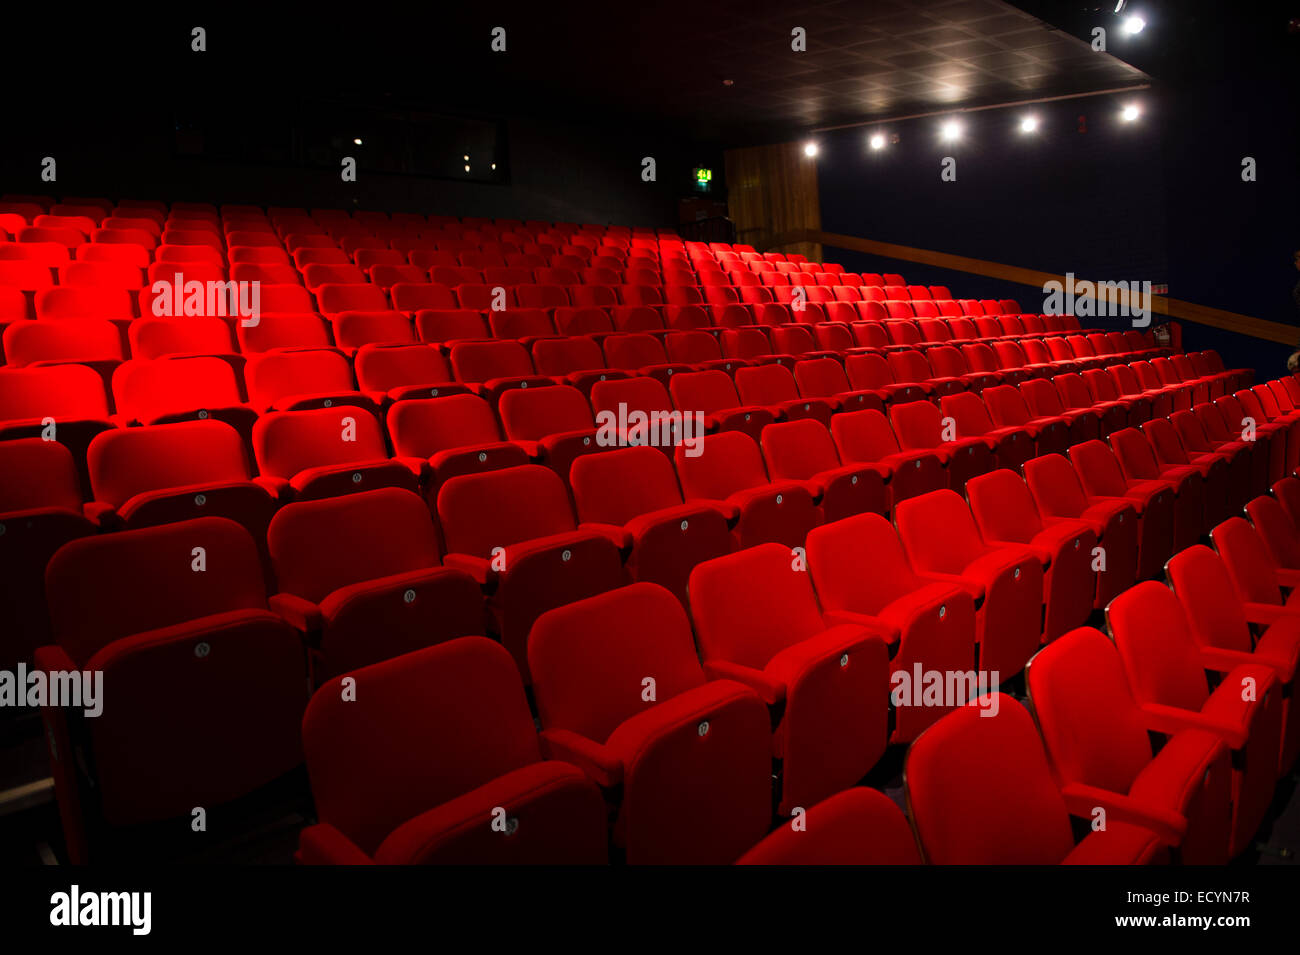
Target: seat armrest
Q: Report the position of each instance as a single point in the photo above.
(594, 759)
(1042, 553)
(834, 618)
(419, 466)
(1171, 719)
(101, 514)
(771, 692)
(277, 487)
(1221, 660)
(322, 844)
(727, 509)
(53, 657)
(1288, 577)
(302, 615)
(477, 567)
(973, 587)
(619, 535)
(1082, 799)
(1266, 614)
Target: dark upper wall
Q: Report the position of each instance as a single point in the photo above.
(1160, 199)
(558, 170)
(1057, 201)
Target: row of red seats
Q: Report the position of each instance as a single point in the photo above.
(72, 397)
(810, 640)
(140, 475)
(1177, 730)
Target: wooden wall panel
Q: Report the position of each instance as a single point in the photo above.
(772, 190)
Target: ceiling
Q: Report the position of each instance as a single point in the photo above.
(663, 63)
(863, 61)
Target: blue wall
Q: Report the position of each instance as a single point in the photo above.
(1159, 199)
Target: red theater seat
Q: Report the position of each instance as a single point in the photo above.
(1098, 743)
(1138, 463)
(160, 474)
(1012, 446)
(211, 682)
(360, 577)
(1224, 628)
(514, 532)
(437, 761)
(457, 434)
(686, 760)
(387, 373)
(1005, 580)
(858, 826)
(1004, 511)
(553, 425)
(728, 473)
(1167, 677)
(1101, 477)
(919, 426)
(803, 451)
(862, 576)
(1059, 497)
(757, 622)
(300, 379)
(632, 496)
(323, 452)
(864, 437)
(981, 793)
(40, 510)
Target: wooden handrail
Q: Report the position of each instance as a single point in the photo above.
(1173, 307)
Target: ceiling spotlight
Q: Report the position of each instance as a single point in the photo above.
(467, 168)
(951, 130)
(1029, 124)
(877, 141)
(1134, 25)
(494, 165)
(1129, 114)
(467, 158)
(357, 141)
(810, 149)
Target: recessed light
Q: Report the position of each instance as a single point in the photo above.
(877, 140)
(951, 130)
(810, 149)
(1129, 113)
(1029, 124)
(1134, 25)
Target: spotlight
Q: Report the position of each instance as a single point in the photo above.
(467, 158)
(951, 130)
(877, 140)
(467, 168)
(357, 141)
(810, 149)
(1134, 25)
(1129, 114)
(494, 165)
(1029, 124)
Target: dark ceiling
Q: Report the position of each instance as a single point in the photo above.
(664, 63)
